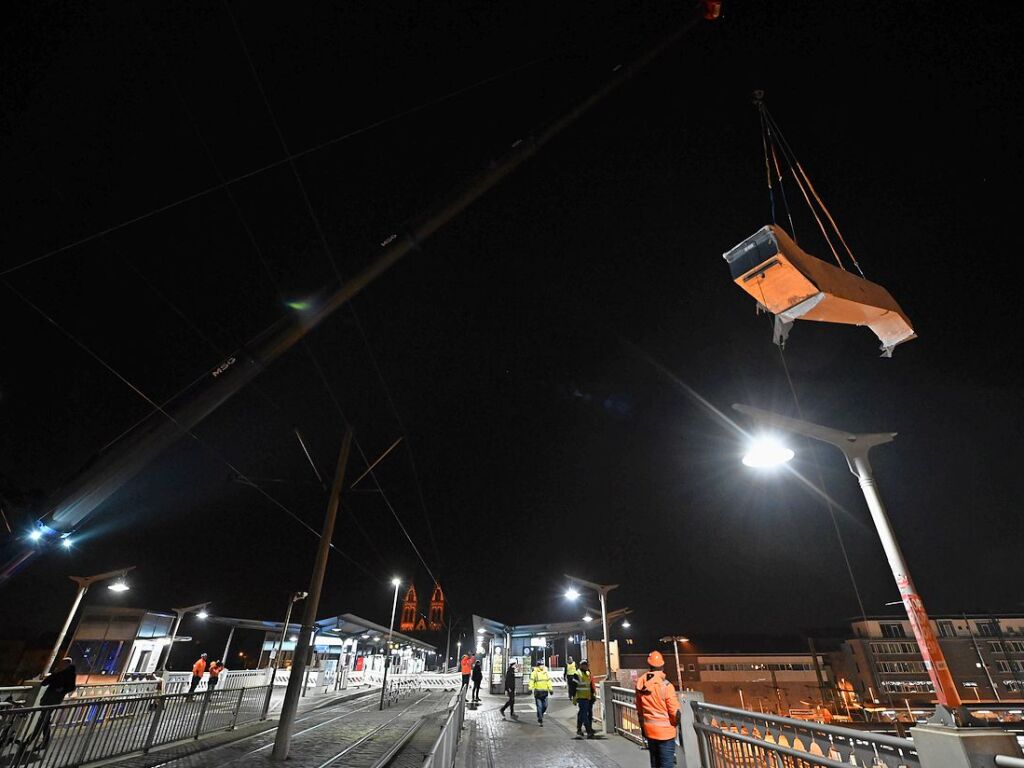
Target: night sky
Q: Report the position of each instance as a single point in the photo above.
(526, 349)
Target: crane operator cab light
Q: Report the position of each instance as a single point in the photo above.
(793, 285)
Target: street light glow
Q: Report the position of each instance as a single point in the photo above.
(588, 617)
(571, 593)
(396, 582)
(203, 614)
(765, 452)
(36, 534)
(626, 624)
(119, 586)
(66, 543)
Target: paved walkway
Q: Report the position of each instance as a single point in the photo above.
(491, 742)
(352, 733)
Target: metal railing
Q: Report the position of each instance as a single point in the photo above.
(624, 720)
(120, 690)
(442, 754)
(85, 731)
(735, 738)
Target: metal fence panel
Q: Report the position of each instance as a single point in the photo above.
(100, 729)
(735, 738)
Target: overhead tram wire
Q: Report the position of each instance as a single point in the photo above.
(338, 276)
(93, 486)
(394, 117)
(191, 433)
(261, 257)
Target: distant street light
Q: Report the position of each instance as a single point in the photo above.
(602, 590)
(855, 448)
(588, 618)
(66, 543)
(387, 653)
(676, 640)
(165, 655)
(35, 535)
(119, 586)
(626, 624)
(83, 582)
(203, 614)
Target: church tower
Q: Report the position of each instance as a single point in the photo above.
(410, 606)
(436, 609)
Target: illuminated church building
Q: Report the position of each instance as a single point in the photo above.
(414, 621)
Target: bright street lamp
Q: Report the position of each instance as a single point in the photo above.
(66, 543)
(35, 535)
(83, 583)
(391, 630)
(588, 618)
(766, 451)
(203, 614)
(119, 586)
(572, 594)
(855, 448)
(626, 624)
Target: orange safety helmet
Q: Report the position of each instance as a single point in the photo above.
(655, 659)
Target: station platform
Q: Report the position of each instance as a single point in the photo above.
(490, 741)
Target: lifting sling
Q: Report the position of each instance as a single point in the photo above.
(793, 285)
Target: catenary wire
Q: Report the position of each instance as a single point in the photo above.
(394, 117)
(191, 433)
(333, 263)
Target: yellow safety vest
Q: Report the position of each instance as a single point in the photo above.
(540, 680)
(570, 669)
(583, 690)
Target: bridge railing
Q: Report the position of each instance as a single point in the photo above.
(735, 738)
(87, 731)
(442, 754)
(624, 719)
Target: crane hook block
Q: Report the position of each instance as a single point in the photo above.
(794, 285)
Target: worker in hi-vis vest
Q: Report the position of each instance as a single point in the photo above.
(657, 708)
(540, 684)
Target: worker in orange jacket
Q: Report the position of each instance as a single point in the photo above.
(657, 708)
(198, 670)
(466, 668)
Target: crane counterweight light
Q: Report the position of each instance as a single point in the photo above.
(793, 285)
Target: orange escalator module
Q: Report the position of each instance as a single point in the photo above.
(794, 285)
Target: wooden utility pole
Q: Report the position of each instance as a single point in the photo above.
(282, 741)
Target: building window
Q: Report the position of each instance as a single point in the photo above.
(946, 629)
(1005, 666)
(1013, 646)
(689, 668)
(1013, 685)
(907, 686)
(900, 667)
(987, 629)
(906, 649)
(892, 630)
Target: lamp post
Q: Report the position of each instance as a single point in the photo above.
(83, 582)
(199, 608)
(293, 598)
(391, 630)
(855, 448)
(676, 640)
(602, 591)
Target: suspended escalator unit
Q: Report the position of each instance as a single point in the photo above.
(793, 285)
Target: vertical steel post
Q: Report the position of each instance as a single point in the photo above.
(207, 695)
(158, 710)
(387, 657)
(609, 675)
(227, 645)
(238, 708)
(679, 669)
(83, 587)
(282, 742)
